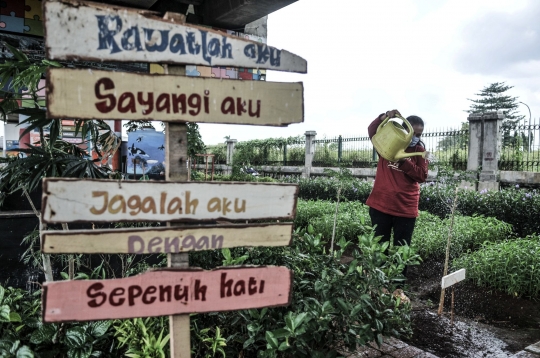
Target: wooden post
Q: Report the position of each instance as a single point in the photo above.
(452, 309)
(176, 159)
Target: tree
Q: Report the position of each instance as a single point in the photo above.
(493, 98)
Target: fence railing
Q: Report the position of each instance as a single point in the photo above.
(520, 147)
(449, 147)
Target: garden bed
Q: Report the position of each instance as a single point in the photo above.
(487, 323)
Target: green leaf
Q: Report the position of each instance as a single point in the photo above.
(24, 352)
(99, 328)
(2, 291)
(356, 309)
(4, 313)
(248, 342)
(272, 341)
(299, 319)
(84, 352)
(284, 346)
(75, 337)
(281, 333)
(14, 317)
(45, 333)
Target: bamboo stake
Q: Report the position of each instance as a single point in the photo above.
(450, 229)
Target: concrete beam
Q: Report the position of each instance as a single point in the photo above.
(235, 14)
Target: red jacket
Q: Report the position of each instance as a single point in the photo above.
(396, 190)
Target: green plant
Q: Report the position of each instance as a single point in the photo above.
(17, 317)
(51, 157)
(24, 335)
(511, 266)
(208, 345)
(140, 337)
(469, 233)
(334, 306)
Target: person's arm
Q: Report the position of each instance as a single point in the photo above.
(416, 168)
(372, 129)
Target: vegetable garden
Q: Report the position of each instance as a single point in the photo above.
(342, 276)
(340, 297)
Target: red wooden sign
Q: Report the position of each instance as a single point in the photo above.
(167, 292)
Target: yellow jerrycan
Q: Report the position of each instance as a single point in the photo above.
(391, 140)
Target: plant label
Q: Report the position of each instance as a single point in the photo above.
(453, 278)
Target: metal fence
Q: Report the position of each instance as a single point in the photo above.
(354, 152)
(291, 154)
(520, 147)
(448, 147)
(520, 150)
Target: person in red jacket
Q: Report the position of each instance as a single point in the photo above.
(393, 202)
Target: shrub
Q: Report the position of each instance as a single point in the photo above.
(334, 306)
(22, 334)
(469, 233)
(323, 188)
(511, 266)
(518, 207)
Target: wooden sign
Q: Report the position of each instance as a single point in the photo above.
(167, 292)
(89, 94)
(96, 32)
(453, 278)
(74, 200)
(165, 239)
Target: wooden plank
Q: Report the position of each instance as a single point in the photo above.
(79, 200)
(167, 292)
(453, 278)
(92, 94)
(165, 239)
(89, 31)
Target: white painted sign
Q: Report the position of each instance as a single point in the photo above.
(84, 31)
(91, 94)
(453, 278)
(75, 200)
(165, 239)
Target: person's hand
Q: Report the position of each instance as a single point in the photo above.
(392, 113)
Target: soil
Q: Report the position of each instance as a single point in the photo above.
(487, 323)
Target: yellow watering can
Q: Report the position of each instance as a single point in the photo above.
(391, 140)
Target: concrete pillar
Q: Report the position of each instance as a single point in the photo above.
(491, 151)
(310, 152)
(230, 150)
(484, 148)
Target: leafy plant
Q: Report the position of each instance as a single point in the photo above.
(51, 156)
(511, 266)
(334, 306)
(140, 337)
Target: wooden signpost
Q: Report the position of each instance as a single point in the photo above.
(73, 200)
(77, 30)
(94, 94)
(167, 292)
(165, 239)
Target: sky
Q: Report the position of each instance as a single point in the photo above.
(423, 57)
